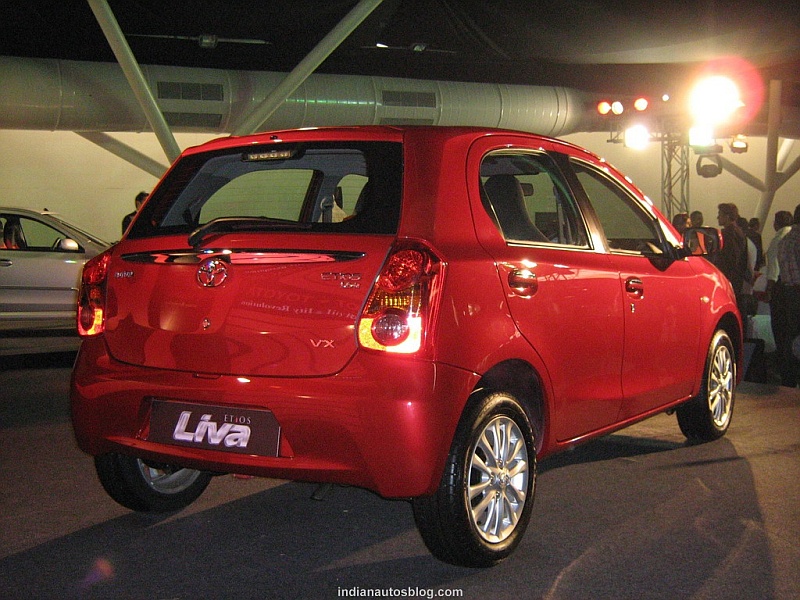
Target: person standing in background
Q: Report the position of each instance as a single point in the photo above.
(697, 218)
(773, 295)
(782, 223)
(753, 232)
(752, 257)
(732, 258)
(786, 302)
(681, 222)
(138, 201)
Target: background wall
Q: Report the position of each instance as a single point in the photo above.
(94, 189)
(67, 174)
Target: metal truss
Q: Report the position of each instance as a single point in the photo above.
(674, 174)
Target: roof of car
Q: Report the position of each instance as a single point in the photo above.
(361, 132)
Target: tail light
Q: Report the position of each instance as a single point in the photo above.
(92, 297)
(400, 304)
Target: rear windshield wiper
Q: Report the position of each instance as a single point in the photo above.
(231, 224)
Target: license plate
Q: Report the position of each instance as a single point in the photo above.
(245, 431)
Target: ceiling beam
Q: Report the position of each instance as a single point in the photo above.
(125, 152)
(119, 45)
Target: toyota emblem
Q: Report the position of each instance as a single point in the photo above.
(212, 272)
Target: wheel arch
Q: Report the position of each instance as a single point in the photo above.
(521, 379)
(731, 325)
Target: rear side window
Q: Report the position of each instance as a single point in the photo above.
(526, 196)
(324, 187)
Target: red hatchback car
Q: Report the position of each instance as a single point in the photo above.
(421, 311)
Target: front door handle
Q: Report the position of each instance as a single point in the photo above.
(523, 282)
(5, 262)
(635, 287)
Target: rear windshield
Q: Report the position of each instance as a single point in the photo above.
(352, 187)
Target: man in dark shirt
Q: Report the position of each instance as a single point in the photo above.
(786, 303)
(753, 232)
(732, 259)
(138, 201)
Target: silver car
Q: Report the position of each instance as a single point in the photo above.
(41, 259)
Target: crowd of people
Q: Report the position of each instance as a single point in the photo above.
(743, 260)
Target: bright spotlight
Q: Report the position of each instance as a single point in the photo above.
(617, 108)
(637, 137)
(640, 104)
(604, 107)
(738, 144)
(701, 135)
(714, 100)
(702, 141)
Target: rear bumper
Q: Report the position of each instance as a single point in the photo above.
(383, 423)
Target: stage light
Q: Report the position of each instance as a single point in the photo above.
(637, 137)
(702, 141)
(738, 144)
(714, 100)
(707, 168)
(604, 107)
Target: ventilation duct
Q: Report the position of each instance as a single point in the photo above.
(62, 95)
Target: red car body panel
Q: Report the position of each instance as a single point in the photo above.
(254, 319)
(281, 334)
(387, 442)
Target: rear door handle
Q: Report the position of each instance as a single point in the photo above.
(634, 286)
(523, 282)
(5, 262)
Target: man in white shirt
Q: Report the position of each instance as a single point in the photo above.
(785, 299)
(782, 225)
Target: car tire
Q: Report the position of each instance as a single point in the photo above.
(707, 416)
(149, 487)
(481, 509)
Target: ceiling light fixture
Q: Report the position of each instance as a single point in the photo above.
(707, 167)
(206, 41)
(738, 144)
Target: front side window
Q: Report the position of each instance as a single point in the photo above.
(528, 200)
(350, 187)
(22, 233)
(628, 227)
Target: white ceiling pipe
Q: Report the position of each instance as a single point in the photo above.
(119, 45)
(306, 67)
(51, 95)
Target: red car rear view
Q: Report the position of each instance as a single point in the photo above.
(423, 312)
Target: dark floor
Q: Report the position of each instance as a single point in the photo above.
(638, 515)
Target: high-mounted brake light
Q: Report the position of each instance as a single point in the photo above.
(92, 297)
(399, 306)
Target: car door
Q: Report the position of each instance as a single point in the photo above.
(662, 301)
(38, 280)
(563, 295)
